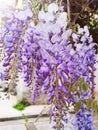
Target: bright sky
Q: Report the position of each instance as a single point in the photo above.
(5, 3)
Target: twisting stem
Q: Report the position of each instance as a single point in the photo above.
(84, 6)
(61, 2)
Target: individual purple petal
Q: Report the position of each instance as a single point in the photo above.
(8, 44)
(65, 77)
(46, 82)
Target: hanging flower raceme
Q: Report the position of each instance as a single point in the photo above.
(11, 39)
(55, 60)
(13, 32)
(84, 119)
(67, 57)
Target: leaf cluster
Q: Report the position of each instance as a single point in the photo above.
(82, 86)
(93, 104)
(21, 105)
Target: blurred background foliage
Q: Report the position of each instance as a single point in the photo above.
(85, 12)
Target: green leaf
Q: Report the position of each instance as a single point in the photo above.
(93, 105)
(26, 119)
(88, 103)
(78, 106)
(75, 27)
(96, 110)
(75, 86)
(19, 106)
(85, 87)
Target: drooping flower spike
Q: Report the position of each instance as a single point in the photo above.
(55, 60)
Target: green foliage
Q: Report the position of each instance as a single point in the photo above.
(93, 104)
(82, 12)
(92, 22)
(26, 121)
(15, 93)
(36, 6)
(78, 106)
(81, 86)
(90, 104)
(21, 105)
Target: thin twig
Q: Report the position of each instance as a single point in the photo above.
(68, 11)
(61, 2)
(86, 4)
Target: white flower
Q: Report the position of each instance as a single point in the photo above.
(55, 38)
(32, 24)
(41, 16)
(56, 28)
(28, 13)
(62, 19)
(67, 34)
(63, 16)
(75, 37)
(78, 47)
(23, 15)
(96, 17)
(49, 17)
(72, 52)
(86, 31)
(80, 30)
(53, 8)
(46, 17)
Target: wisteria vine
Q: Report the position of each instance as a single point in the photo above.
(55, 60)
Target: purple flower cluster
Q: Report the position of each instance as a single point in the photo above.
(66, 56)
(11, 39)
(52, 58)
(84, 119)
(14, 30)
